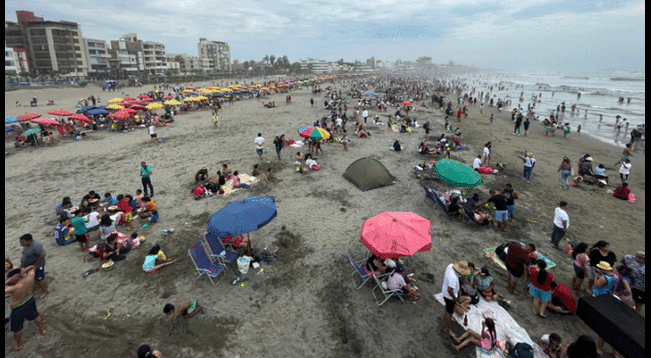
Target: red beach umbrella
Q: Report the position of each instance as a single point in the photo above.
(124, 104)
(167, 97)
(130, 111)
(81, 118)
(147, 99)
(138, 107)
(143, 96)
(129, 99)
(60, 113)
(46, 121)
(27, 117)
(392, 235)
(120, 115)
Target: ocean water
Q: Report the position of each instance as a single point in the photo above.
(599, 96)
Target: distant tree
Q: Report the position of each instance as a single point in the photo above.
(266, 59)
(272, 59)
(451, 64)
(340, 62)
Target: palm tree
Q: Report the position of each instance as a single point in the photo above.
(266, 59)
(272, 59)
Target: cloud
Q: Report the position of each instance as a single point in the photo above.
(511, 34)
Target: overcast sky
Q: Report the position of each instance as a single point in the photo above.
(568, 37)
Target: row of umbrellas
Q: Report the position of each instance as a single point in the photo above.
(388, 235)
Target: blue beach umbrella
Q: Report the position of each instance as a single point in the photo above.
(86, 109)
(10, 120)
(242, 217)
(8, 129)
(366, 94)
(97, 111)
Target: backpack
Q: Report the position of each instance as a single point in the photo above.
(521, 350)
(198, 191)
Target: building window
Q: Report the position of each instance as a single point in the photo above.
(37, 32)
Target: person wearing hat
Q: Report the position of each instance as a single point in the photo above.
(585, 168)
(450, 292)
(635, 271)
(202, 174)
(529, 163)
(605, 282)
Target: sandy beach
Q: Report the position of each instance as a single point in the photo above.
(304, 305)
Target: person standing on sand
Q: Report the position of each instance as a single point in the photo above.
(451, 285)
(625, 154)
(152, 133)
(492, 118)
(625, 170)
(259, 145)
(526, 125)
(34, 255)
(565, 169)
(365, 114)
(145, 173)
(487, 154)
(561, 223)
(278, 143)
(18, 287)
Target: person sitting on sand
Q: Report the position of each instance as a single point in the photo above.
(600, 173)
(156, 260)
(423, 149)
(114, 251)
(455, 209)
(202, 174)
(148, 207)
(106, 227)
(622, 191)
(362, 133)
(227, 172)
(188, 308)
(485, 285)
(299, 156)
(271, 176)
(256, 170)
(487, 340)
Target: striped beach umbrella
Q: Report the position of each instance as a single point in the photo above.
(314, 133)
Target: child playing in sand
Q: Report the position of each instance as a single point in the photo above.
(156, 260)
(271, 176)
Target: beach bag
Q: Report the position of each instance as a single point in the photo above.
(521, 350)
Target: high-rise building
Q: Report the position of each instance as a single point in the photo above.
(127, 55)
(155, 60)
(217, 54)
(51, 46)
(97, 56)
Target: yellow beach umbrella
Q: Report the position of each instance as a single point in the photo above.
(188, 91)
(116, 100)
(190, 99)
(154, 105)
(173, 102)
(202, 98)
(113, 106)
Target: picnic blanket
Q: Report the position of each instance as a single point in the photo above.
(490, 252)
(296, 144)
(244, 179)
(507, 329)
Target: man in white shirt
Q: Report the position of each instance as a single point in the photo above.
(625, 170)
(529, 163)
(476, 164)
(259, 145)
(365, 114)
(451, 292)
(561, 223)
(152, 133)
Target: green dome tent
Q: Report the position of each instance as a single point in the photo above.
(368, 173)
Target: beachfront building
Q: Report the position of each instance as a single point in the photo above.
(97, 56)
(127, 57)
(155, 59)
(187, 64)
(173, 66)
(215, 55)
(317, 66)
(16, 61)
(52, 47)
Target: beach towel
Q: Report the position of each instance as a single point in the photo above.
(490, 252)
(631, 198)
(244, 179)
(297, 144)
(507, 329)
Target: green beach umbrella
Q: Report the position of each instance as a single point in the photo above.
(31, 131)
(458, 174)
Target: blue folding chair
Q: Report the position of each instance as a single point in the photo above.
(359, 271)
(203, 264)
(434, 196)
(218, 251)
